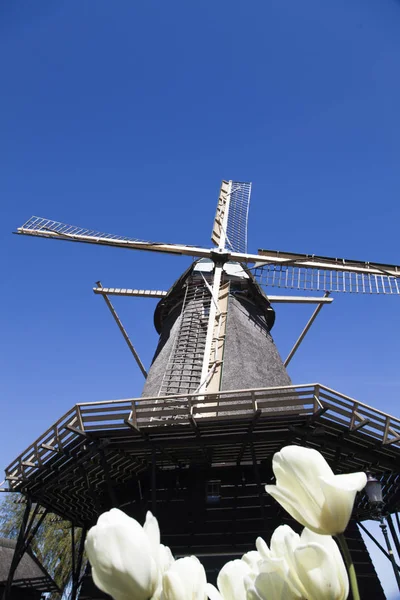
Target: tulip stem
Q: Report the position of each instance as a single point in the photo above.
(350, 566)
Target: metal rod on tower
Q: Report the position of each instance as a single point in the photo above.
(122, 330)
(305, 330)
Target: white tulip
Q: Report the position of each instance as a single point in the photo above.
(319, 567)
(184, 580)
(127, 559)
(310, 492)
(311, 567)
(273, 581)
(231, 580)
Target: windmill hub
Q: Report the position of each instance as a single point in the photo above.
(220, 255)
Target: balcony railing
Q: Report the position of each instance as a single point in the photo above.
(150, 414)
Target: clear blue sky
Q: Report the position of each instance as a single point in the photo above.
(125, 116)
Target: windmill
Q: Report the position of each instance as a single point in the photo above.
(217, 401)
(193, 360)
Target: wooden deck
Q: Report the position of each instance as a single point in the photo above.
(69, 467)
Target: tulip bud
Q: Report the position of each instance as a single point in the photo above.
(124, 556)
(185, 580)
(310, 492)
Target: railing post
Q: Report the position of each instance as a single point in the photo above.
(317, 402)
(353, 415)
(254, 401)
(386, 432)
(133, 416)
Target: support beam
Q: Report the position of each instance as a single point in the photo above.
(305, 330)
(258, 480)
(92, 492)
(77, 563)
(136, 293)
(381, 548)
(122, 330)
(154, 482)
(299, 300)
(16, 557)
(129, 292)
(26, 534)
(394, 534)
(109, 483)
(253, 422)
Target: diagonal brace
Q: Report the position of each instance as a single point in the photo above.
(305, 330)
(122, 330)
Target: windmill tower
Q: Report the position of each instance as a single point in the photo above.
(196, 448)
(215, 321)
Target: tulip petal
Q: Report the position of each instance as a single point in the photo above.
(230, 580)
(115, 515)
(331, 547)
(173, 587)
(297, 469)
(252, 558)
(284, 540)
(251, 592)
(152, 531)
(314, 568)
(212, 592)
(262, 545)
(185, 576)
(303, 514)
(340, 492)
(165, 558)
(272, 585)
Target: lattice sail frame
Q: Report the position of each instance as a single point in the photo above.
(234, 197)
(41, 226)
(328, 275)
(302, 278)
(236, 231)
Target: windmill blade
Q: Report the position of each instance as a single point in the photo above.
(41, 227)
(318, 273)
(230, 223)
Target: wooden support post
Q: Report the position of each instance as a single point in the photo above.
(26, 534)
(258, 480)
(393, 532)
(73, 554)
(92, 493)
(77, 563)
(153, 482)
(108, 480)
(16, 557)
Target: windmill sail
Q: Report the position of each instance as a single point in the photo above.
(316, 273)
(231, 217)
(47, 228)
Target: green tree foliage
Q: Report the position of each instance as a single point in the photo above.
(51, 544)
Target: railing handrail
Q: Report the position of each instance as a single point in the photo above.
(375, 410)
(202, 394)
